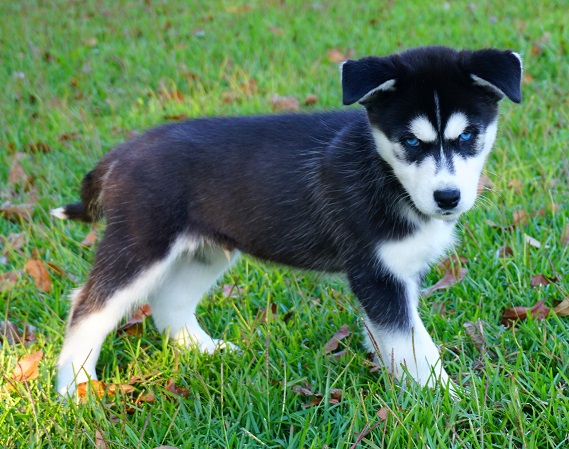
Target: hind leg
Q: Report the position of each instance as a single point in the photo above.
(175, 301)
(120, 280)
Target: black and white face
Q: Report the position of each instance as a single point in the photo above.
(433, 112)
(438, 148)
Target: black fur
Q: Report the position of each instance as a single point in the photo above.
(306, 190)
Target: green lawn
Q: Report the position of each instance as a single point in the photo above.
(77, 77)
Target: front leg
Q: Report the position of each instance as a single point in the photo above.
(393, 322)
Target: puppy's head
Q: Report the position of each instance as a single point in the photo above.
(433, 113)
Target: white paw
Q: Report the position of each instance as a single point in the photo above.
(202, 341)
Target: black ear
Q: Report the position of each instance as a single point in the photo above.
(364, 77)
(497, 71)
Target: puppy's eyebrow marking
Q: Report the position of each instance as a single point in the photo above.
(456, 125)
(423, 129)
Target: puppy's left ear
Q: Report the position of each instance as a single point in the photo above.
(365, 77)
(499, 72)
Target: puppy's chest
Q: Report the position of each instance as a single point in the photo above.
(412, 256)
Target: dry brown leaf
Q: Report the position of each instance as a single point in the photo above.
(8, 280)
(516, 185)
(541, 279)
(18, 176)
(233, 291)
(383, 413)
(504, 251)
(475, 331)
(316, 397)
(552, 208)
(144, 311)
(520, 217)
(28, 367)
(17, 212)
(176, 117)
(14, 242)
(531, 241)
(148, 397)
(279, 103)
(38, 147)
(336, 56)
(453, 262)
(101, 389)
(335, 396)
(237, 9)
(90, 239)
(174, 389)
(134, 325)
(310, 100)
(539, 311)
(484, 183)
(36, 268)
(562, 309)
(333, 343)
(100, 442)
(9, 333)
(450, 278)
(263, 313)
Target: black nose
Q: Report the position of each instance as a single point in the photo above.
(447, 199)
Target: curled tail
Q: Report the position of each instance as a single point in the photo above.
(90, 208)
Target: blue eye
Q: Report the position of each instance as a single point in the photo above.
(465, 137)
(412, 141)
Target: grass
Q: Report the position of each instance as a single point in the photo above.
(79, 77)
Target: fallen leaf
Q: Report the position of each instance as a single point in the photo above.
(101, 389)
(383, 413)
(333, 343)
(336, 56)
(504, 251)
(280, 103)
(552, 208)
(233, 291)
(17, 212)
(36, 268)
(475, 330)
(539, 311)
(18, 176)
(148, 397)
(28, 367)
(541, 279)
(335, 396)
(144, 311)
(14, 242)
(38, 147)
(310, 100)
(174, 389)
(450, 278)
(90, 239)
(263, 313)
(8, 280)
(484, 183)
(452, 263)
(68, 136)
(176, 117)
(439, 308)
(100, 440)
(562, 309)
(531, 241)
(134, 325)
(520, 217)
(9, 333)
(316, 397)
(516, 185)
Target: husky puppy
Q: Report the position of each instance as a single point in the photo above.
(373, 193)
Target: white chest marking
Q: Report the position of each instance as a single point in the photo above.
(408, 258)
